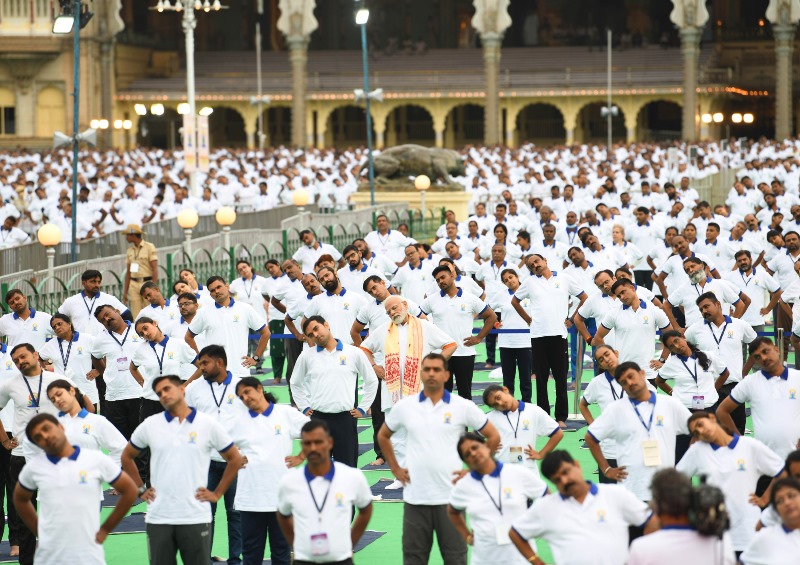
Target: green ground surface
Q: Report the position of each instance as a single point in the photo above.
(131, 548)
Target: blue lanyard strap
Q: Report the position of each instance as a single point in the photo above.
(722, 333)
(636, 409)
(694, 375)
(34, 399)
(161, 359)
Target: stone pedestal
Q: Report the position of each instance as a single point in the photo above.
(784, 44)
(450, 197)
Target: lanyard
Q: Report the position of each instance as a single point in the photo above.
(649, 424)
(121, 343)
(90, 308)
(497, 271)
(718, 341)
(69, 349)
(694, 375)
(34, 399)
(161, 361)
(614, 392)
(571, 236)
(319, 508)
(221, 398)
(252, 282)
(514, 428)
(499, 503)
(747, 281)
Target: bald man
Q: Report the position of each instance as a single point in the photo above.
(395, 350)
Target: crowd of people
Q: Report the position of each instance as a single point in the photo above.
(159, 392)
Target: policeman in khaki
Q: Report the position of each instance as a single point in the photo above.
(142, 266)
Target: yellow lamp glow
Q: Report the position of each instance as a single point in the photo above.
(736, 118)
(706, 118)
(718, 117)
(300, 197)
(422, 182)
(188, 218)
(49, 235)
(748, 118)
(226, 216)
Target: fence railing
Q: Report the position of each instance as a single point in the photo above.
(210, 257)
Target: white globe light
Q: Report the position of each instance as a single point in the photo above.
(226, 216)
(49, 235)
(300, 197)
(188, 218)
(422, 182)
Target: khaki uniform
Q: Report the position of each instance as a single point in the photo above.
(138, 259)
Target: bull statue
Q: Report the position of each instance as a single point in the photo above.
(403, 161)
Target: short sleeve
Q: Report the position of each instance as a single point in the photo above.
(688, 463)
(394, 418)
(522, 292)
(109, 470)
(545, 425)
(363, 494)
(138, 356)
(198, 324)
(459, 498)
(27, 478)
(770, 283)
(767, 461)
(533, 523)
(425, 306)
(604, 425)
(682, 416)
(219, 439)
(574, 288)
(741, 392)
(140, 439)
(474, 416)
(661, 319)
(152, 253)
(635, 512)
(590, 394)
(436, 337)
(296, 422)
(284, 495)
(718, 365)
(730, 293)
(255, 321)
(479, 306)
(609, 320)
(532, 484)
(97, 350)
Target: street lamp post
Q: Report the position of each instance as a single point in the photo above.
(49, 235)
(187, 219)
(362, 16)
(189, 23)
(300, 198)
(226, 216)
(422, 183)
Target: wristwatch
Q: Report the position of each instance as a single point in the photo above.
(256, 358)
(142, 490)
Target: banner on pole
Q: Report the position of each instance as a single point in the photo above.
(202, 143)
(189, 144)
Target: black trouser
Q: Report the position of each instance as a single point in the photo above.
(378, 418)
(491, 345)
(101, 391)
(7, 492)
(680, 317)
(255, 527)
(461, 369)
(25, 537)
(147, 409)
(344, 431)
(126, 416)
(642, 278)
(293, 349)
(550, 354)
(277, 348)
(420, 522)
(603, 479)
(511, 359)
(739, 415)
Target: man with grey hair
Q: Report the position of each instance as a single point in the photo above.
(395, 350)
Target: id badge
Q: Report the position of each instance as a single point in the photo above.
(134, 268)
(123, 364)
(501, 534)
(651, 453)
(698, 403)
(516, 454)
(319, 544)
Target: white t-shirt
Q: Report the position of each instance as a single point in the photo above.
(433, 431)
(773, 546)
(627, 422)
(251, 292)
(549, 304)
(265, 439)
(725, 342)
(686, 296)
(69, 495)
(339, 310)
(73, 359)
(327, 513)
(180, 453)
(501, 301)
(520, 429)
(635, 332)
(92, 431)
(118, 350)
(455, 316)
(678, 544)
(414, 282)
(595, 532)
(81, 309)
(167, 357)
(693, 386)
(492, 502)
(735, 469)
(308, 256)
(35, 330)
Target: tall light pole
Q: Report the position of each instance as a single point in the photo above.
(609, 111)
(261, 136)
(189, 23)
(362, 16)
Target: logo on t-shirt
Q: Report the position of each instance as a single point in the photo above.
(236, 318)
(792, 394)
(192, 438)
(346, 306)
(8, 365)
(730, 334)
(660, 421)
(35, 328)
(740, 465)
(83, 477)
(447, 417)
(31, 402)
(339, 500)
(463, 307)
(507, 492)
(601, 516)
(80, 350)
(170, 355)
(526, 425)
(278, 430)
(86, 429)
(230, 398)
(342, 359)
(645, 320)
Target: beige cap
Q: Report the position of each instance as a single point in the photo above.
(133, 229)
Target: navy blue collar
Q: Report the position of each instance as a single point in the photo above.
(81, 414)
(726, 318)
(218, 305)
(642, 304)
(709, 243)
(74, 337)
(339, 346)
(33, 314)
(592, 490)
(731, 445)
(520, 408)
(337, 294)
(327, 476)
(647, 223)
(651, 400)
(74, 457)
(442, 293)
(496, 473)
(265, 413)
(162, 343)
(678, 527)
(83, 293)
(190, 417)
(446, 396)
(361, 270)
(685, 358)
(166, 304)
(784, 375)
(244, 279)
(609, 377)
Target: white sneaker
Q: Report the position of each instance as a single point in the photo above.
(396, 485)
(377, 497)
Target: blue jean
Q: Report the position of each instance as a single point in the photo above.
(215, 471)
(591, 325)
(255, 526)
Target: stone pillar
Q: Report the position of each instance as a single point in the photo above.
(784, 45)
(690, 40)
(491, 69)
(570, 135)
(298, 56)
(296, 22)
(25, 106)
(491, 19)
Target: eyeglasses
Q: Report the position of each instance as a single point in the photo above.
(184, 304)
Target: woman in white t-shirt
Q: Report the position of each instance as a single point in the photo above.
(733, 464)
(778, 545)
(492, 495)
(696, 376)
